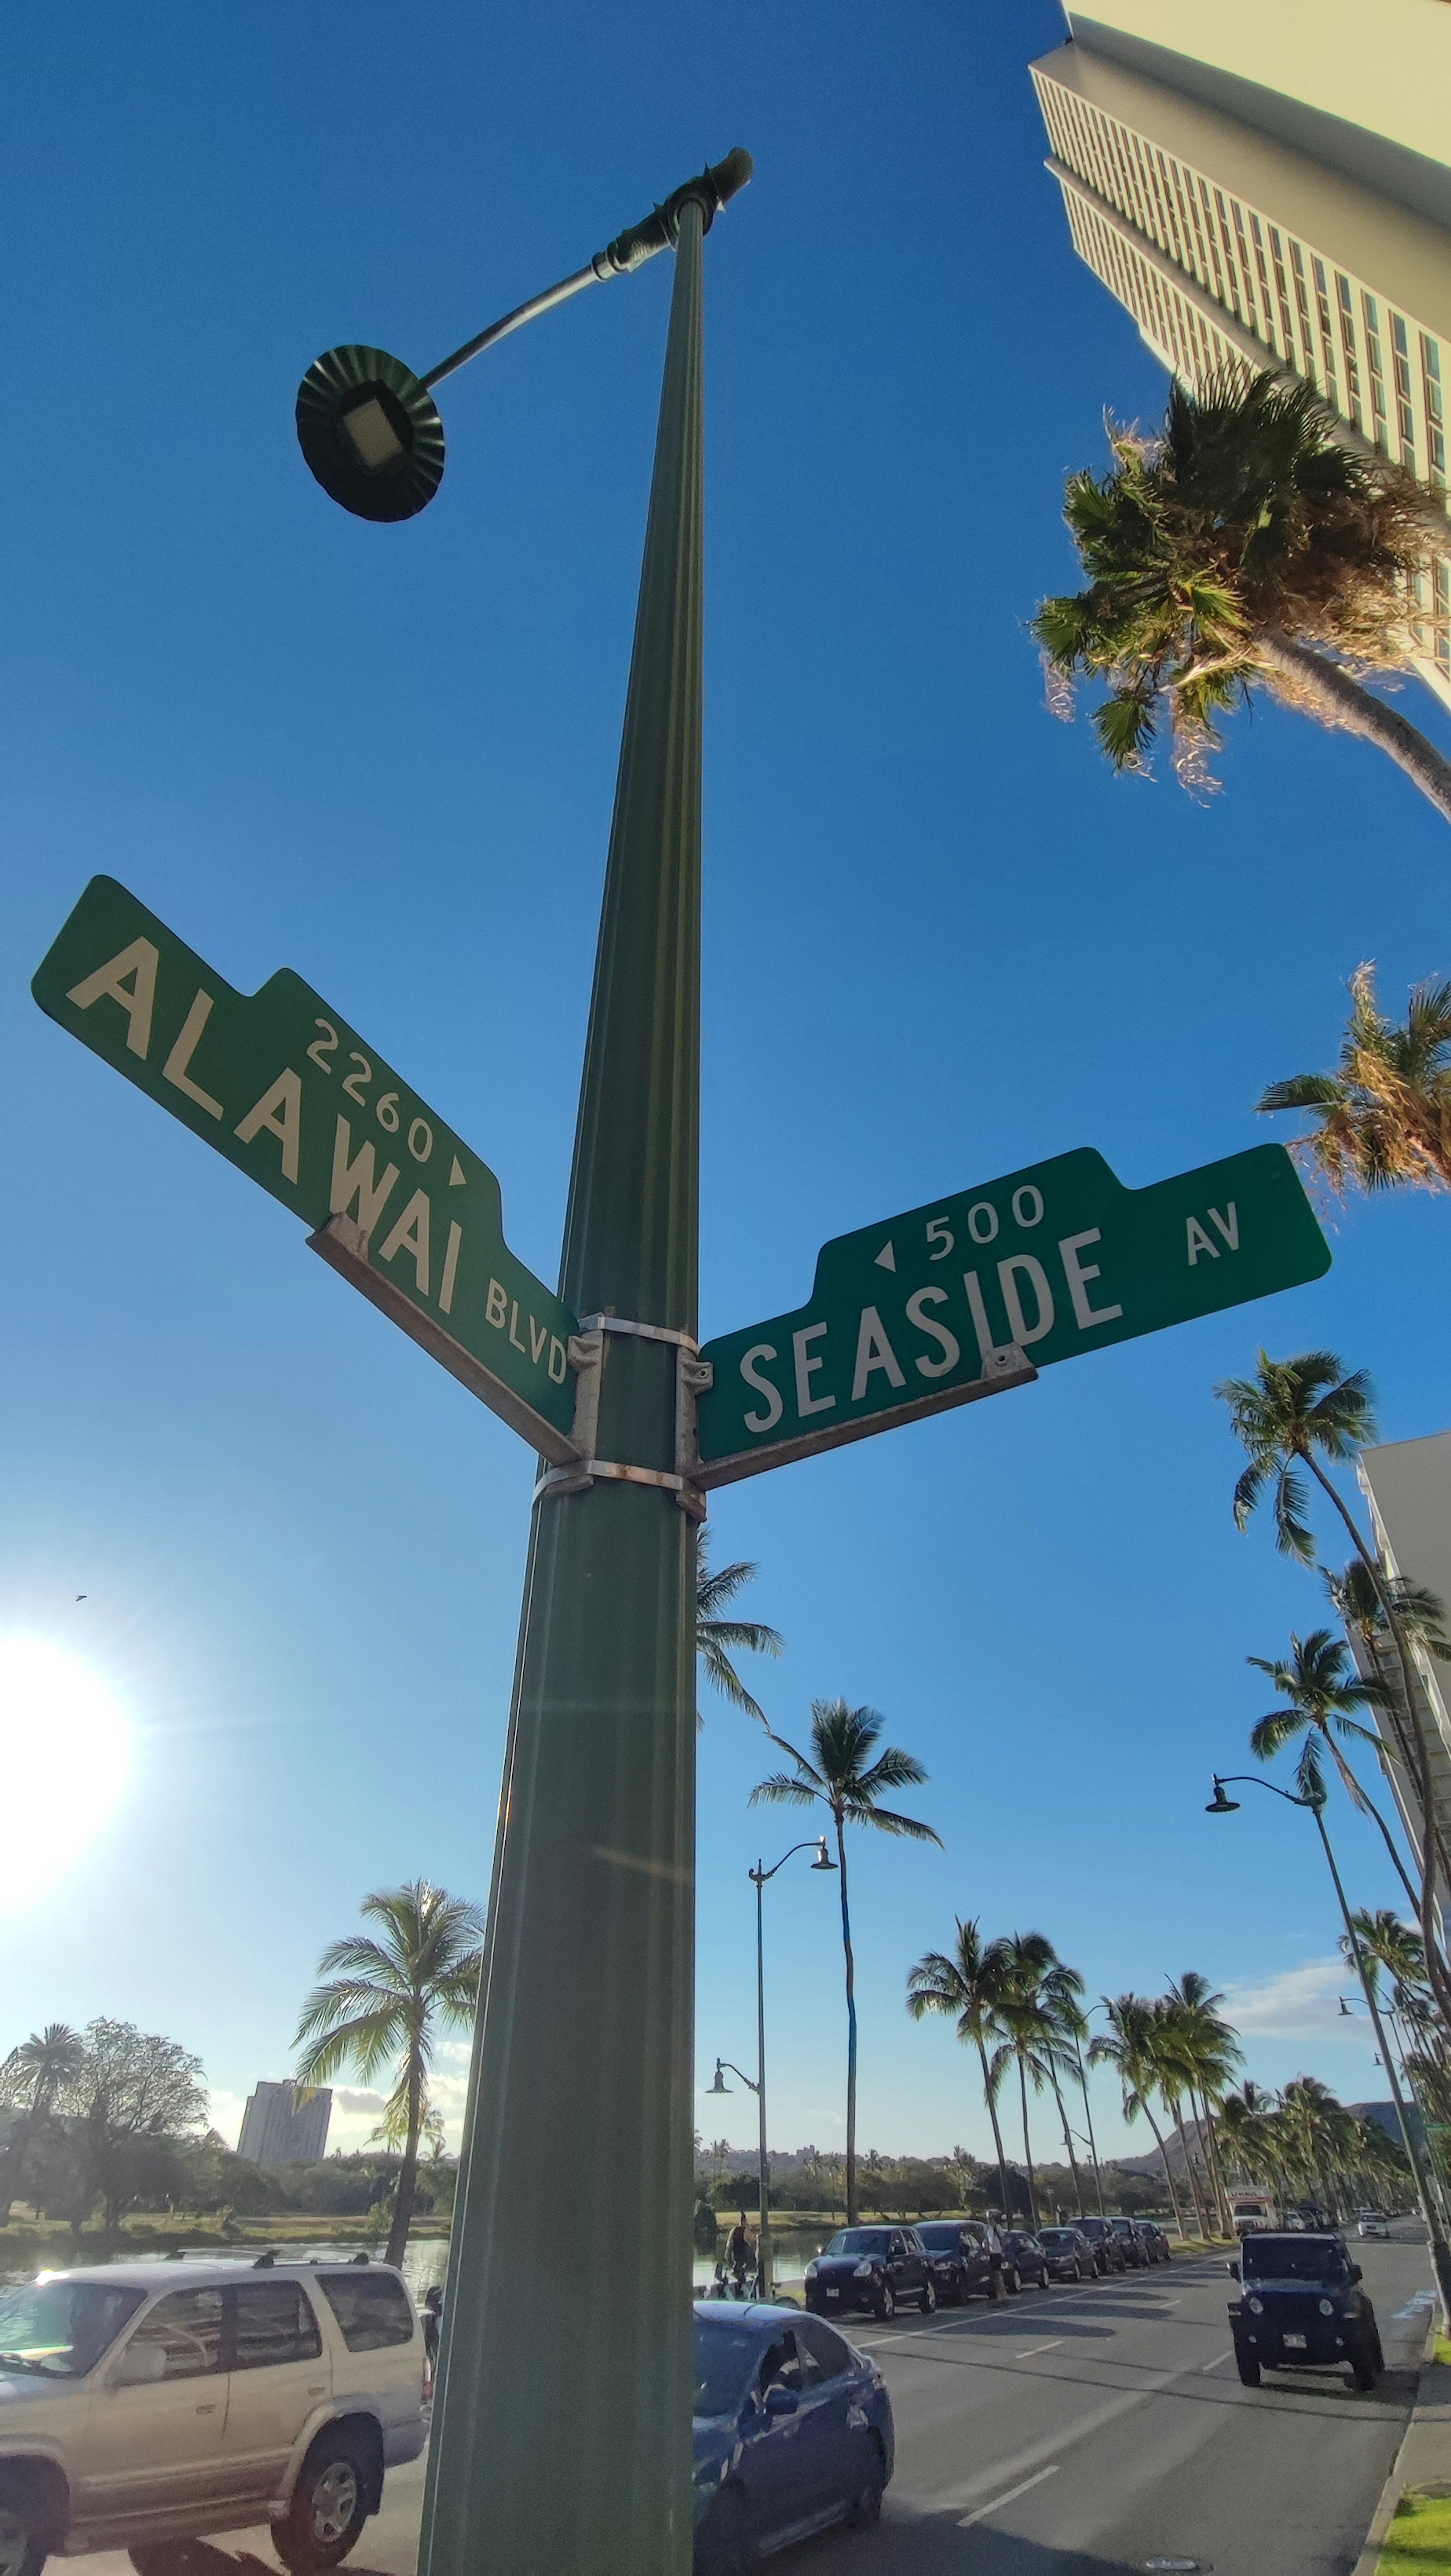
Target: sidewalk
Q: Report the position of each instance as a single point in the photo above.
(1411, 2533)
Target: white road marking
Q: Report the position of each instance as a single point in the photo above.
(1218, 2358)
(1040, 2347)
(1011, 2497)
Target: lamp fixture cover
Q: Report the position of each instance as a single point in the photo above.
(409, 465)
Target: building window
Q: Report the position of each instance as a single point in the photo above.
(1435, 414)
(1405, 417)
(1302, 299)
(1370, 312)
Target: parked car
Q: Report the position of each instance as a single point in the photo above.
(1302, 2307)
(1068, 2255)
(793, 2432)
(143, 2404)
(968, 2258)
(1372, 2222)
(1155, 2239)
(1108, 2252)
(1025, 2259)
(873, 2268)
(1136, 2252)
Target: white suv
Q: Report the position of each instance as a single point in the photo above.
(143, 2404)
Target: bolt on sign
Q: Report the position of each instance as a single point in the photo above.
(278, 1083)
(972, 1292)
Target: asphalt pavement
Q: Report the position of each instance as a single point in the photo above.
(1074, 2432)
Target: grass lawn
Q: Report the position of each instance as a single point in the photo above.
(1419, 2540)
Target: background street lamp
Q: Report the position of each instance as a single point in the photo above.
(1220, 1805)
(572, 2225)
(758, 1877)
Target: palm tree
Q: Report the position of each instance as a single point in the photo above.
(717, 1639)
(1243, 547)
(1291, 1414)
(967, 1981)
(35, 2077)
(1384, 1115)
(383, 2006)
(1030, 2039)
(1318, 1688)
(1211, 2054)
(1246, 2123)
(1132, 2046)
(1173, 2062)
(843, 1778)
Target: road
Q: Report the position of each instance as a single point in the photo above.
(1074, 2432)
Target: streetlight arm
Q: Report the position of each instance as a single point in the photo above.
(1255, 1782)
(735, 2070)
(628, 251)
(813, 1842)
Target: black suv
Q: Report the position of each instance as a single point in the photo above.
(1302, 2308)
(967, 2256)
(1108, 2252)
(1136, 2252)
(872, 2268)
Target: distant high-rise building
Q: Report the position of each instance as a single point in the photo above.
(1273, 188)
(274, 2132)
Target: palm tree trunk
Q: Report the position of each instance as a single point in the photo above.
(991, 2099)
(1088, 2123)
(1360, 1797)
(1028, 2151)
(1164, 2160)
(851, 2194)
(402, 2218)
(1345, 703)
(1426, 1910)
(1068, 2143)
(1217, 2163)
(1176, 2114)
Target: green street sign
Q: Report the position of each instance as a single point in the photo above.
(279, 1083)
(933, 1308)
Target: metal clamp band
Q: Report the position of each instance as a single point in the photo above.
(647, 1332)
(573, 1480)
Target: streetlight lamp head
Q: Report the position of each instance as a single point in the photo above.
(1219, 1805)
(823, 1858)
(1345, 2011)
(720, 2085)
(370, 432)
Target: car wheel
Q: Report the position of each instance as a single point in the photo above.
(928, 2300)
(24, 2541)
(885, 2303)
(1249, 2371)
(1012, 2280)
(723, 2544)
(1365, 2365)
(328, 2510)
(865, 2509)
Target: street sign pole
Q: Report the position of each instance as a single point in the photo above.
(570, 2268)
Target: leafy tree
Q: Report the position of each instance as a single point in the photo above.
(1133, 2046)
(843, 1777)
(717, 1638)
(132, 2089)
(1319, 1687)
(383, 2004)
(34, 2078)
(1290, 1415)
(1384, 1115)
(966, 1983)
(1243, 547)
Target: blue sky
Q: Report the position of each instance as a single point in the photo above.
(941, 942)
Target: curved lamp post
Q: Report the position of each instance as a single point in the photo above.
(758, 1877)
(1220, 1805)
(573, 2209)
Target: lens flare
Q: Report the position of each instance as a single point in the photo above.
(65, 1752)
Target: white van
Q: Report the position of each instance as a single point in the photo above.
(143, 2404)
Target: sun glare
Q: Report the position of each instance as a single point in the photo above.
(64, 1755)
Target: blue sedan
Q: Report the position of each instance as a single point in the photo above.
(793, 2432)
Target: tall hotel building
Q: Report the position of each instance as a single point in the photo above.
(1269, 181)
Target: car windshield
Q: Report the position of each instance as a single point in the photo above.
(1055, 2235)
(941, 2239)
(1292, 2258)
(724, 2355)
(859, 2240)
(58, 2328)
(1123, 2227)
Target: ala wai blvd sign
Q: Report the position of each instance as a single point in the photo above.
(937, 1307)
(572, 2215)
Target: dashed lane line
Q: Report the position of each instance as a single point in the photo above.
(1027, 2355)
(1011, 2497)
(1218, 2358)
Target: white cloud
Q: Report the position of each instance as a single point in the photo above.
(346, 2099)
(1300, 2003)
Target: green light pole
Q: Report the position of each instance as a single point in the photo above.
(1219, 1805)
(758, 1878)
(568, 2291)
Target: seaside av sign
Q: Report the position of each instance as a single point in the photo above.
(281, 1085)
(974, 1292)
